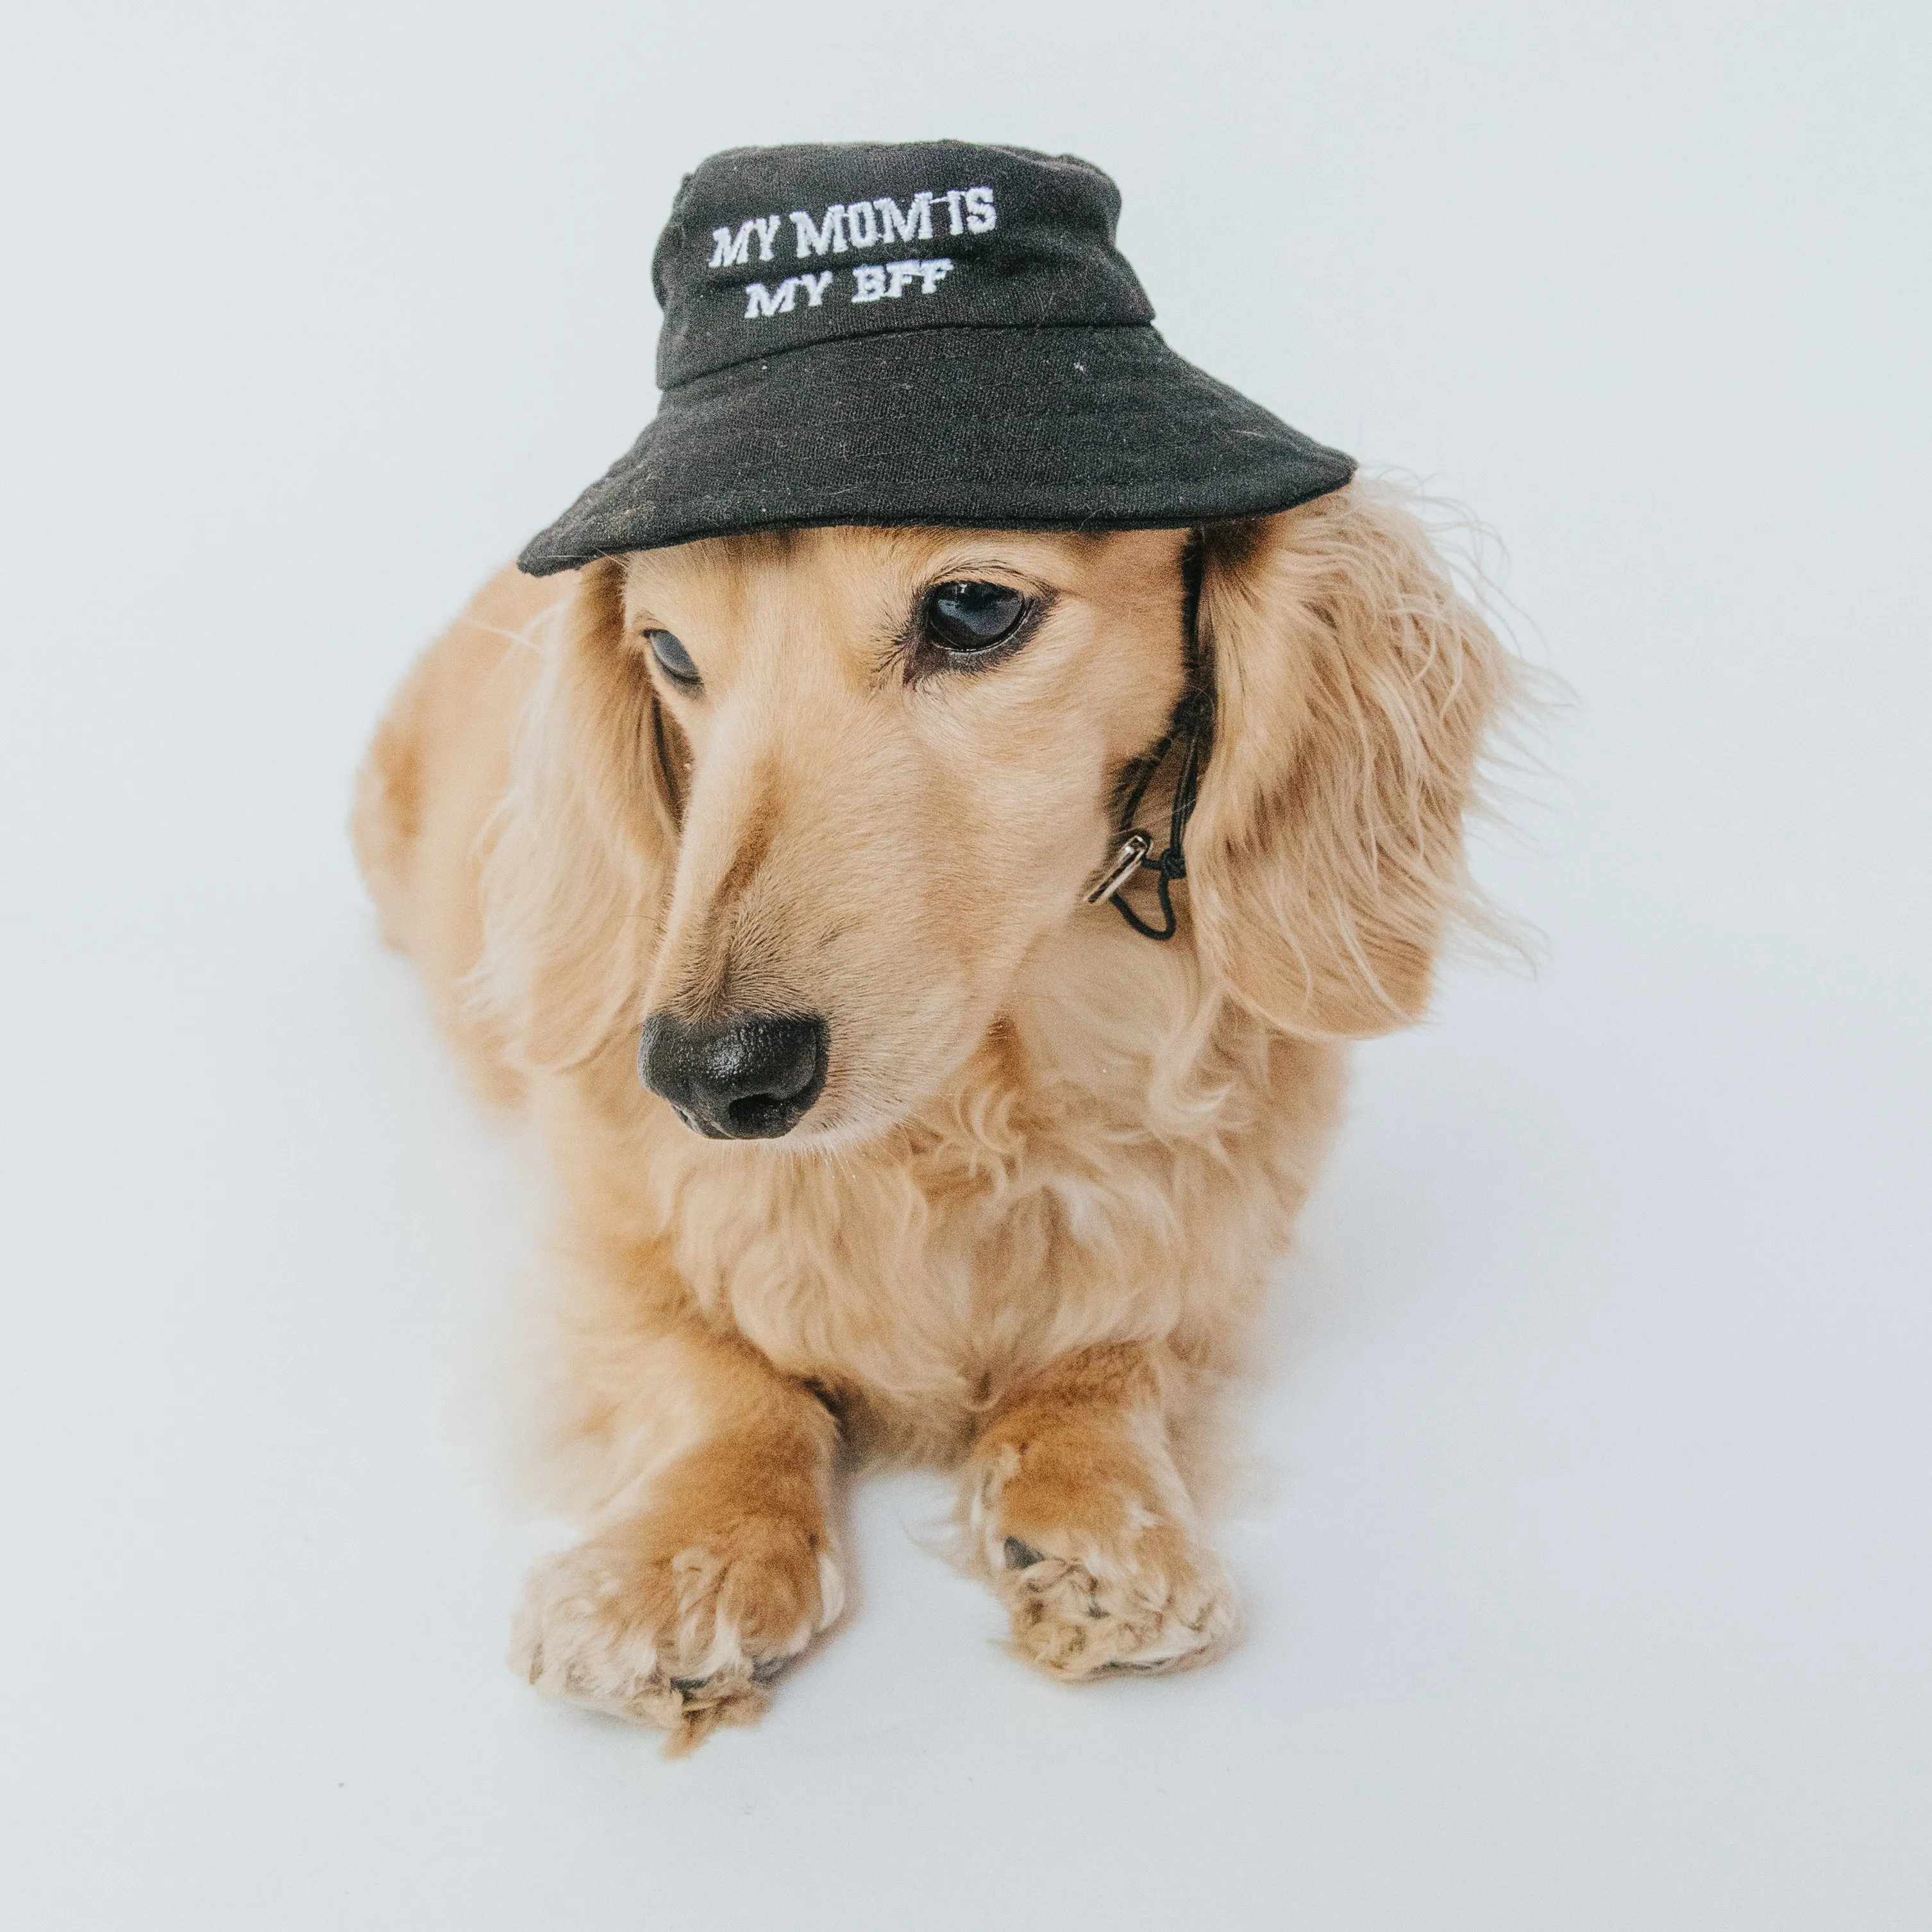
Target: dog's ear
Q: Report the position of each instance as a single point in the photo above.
(579, 856)
(1352, 684)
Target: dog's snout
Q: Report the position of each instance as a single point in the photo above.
(750, 1078)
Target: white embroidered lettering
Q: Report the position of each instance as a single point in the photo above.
(914, 225)
(825, 238)
(846, 225)
(760, 300)
(727, 252)
(890, 283)
(814, 287)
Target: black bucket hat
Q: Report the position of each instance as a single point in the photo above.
(928, 333)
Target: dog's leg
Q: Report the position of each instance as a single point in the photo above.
(1084, 1526)
(715, 1565)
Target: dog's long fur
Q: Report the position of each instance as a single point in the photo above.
(1026, 1225)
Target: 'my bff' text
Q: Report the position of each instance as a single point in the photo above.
(849, 227)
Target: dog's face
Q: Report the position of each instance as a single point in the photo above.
(803, 806)
(891, 755)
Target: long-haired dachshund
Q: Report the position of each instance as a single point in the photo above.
(936, 1158)
(917, 837)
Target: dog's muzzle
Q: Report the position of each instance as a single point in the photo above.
(751, 1078)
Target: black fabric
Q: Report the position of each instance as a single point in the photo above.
(834, 353)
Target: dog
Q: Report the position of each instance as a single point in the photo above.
(939, 1159)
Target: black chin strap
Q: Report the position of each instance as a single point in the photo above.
(1191, 729)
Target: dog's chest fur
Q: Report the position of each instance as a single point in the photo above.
(1116, 1162)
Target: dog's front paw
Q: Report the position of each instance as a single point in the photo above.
(650, 1624)
(1097, 1583)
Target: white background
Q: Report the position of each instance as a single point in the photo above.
(1593, 1586)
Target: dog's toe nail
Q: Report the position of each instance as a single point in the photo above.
(1020, 1555)
(763, 1673)
(685, 1686)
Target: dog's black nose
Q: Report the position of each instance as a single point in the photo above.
(748, 1078)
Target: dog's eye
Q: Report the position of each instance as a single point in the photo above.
(673, 658)
(969, 618)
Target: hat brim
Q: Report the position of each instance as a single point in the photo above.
(1064, 428)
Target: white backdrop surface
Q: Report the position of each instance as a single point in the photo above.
(1592, 1585)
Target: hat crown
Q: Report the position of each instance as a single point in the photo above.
(771, 249)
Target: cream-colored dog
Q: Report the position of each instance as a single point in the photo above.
(1035, 1164)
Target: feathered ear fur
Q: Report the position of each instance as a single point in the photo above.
(582, 847)
(1352, 685)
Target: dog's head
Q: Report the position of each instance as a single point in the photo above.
(802, 806)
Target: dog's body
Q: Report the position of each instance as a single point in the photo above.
(1025, 1225)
